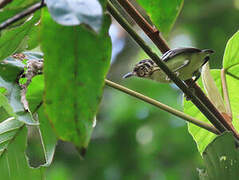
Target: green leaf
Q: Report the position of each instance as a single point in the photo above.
(9, 70)
(33, 37)
(13, 163)
(163, 13)
(49, 138)
(5, 109)
(15, 7)
(76, 61)
(221, 158)
(4, 15)
(211, 89)
(230, 63)
(35, 92)
(14, 39)
(20, 4)
(8, 130)
(47, 141)
(231, 54)
(72, 13)
(201, 136)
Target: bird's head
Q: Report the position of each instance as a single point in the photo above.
(142, 69)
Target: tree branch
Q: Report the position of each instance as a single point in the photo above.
(4, 3)
(152, 32)
(163, 107)
(21, 15)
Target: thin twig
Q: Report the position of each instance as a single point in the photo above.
(21, 15)
(163, 107)
(225, 93)
(167, 71)
(33, 69)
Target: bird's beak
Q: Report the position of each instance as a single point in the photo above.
(130, 74)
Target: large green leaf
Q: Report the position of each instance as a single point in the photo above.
(14, 39)
(201, 136)
(13, 163)
(231, 55)
(221, 158)
(76, 61)
(48, 139)
(231, 64)
(71, 13)
(163, 13)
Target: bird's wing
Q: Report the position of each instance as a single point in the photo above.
(181, 65)
(174, 52)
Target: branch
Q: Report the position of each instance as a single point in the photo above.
(163, 107)
(151, 31)
(33, 69)
(167, 71)
(21, 15)
(4, 3)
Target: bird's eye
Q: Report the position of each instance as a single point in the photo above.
(140, 73)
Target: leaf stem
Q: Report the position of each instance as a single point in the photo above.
(232, 75)
(211, 117)
(21, 15)
(163, 107)
(225, 93)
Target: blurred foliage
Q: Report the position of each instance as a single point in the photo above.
(209, 24)
(132, 140)
(163, 13)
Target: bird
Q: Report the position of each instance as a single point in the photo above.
(186, 63)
